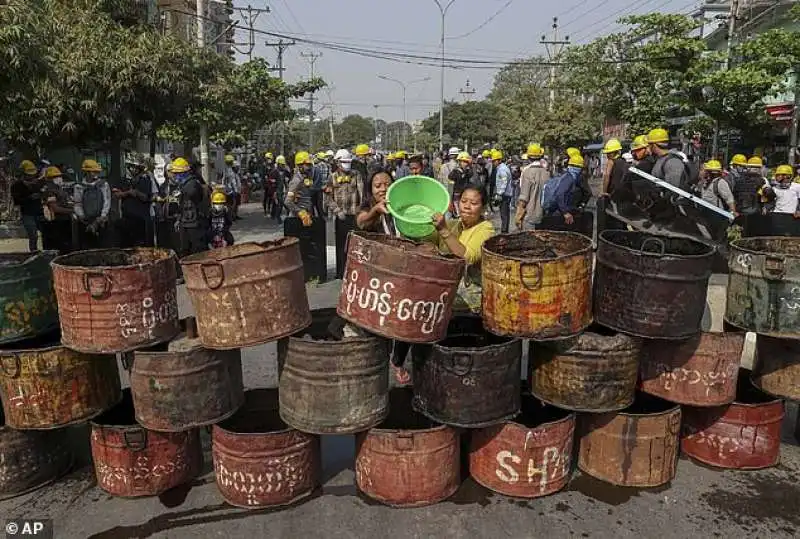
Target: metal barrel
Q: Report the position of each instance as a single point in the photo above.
(637, 447)
(594, 372)
(259, 461)
(470, 379)
(537, 284)
(330, 385)
(397, 288)
(27, 299)
(132, 461)
(408, 460)
(184, 386)
(527, 457)
(229, 288)
(701, 371)
(651, 286)
(30, 459)
(776, 368)
(764, 286)
(45, 385)
(116, 300)
(745, 435)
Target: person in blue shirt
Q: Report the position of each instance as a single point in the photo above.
(504, 189)
(569, 185)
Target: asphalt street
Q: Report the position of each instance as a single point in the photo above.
(700, 502)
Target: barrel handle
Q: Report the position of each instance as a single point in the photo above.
(88, 277)
(539, 275)
(126, 358)
(17, 362)
(404, 442)
(774, 266)
(135, 440)
(204, 271)
(659, 242)
(458, 364)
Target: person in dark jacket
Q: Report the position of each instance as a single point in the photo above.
(460, 177)
(192, 220)
(135, 196)
(57, 222)
(568, 186)
(27, 194)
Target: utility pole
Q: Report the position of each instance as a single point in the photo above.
(443, 10)
(201, 43)
(313, 57)
(467, 91)
(375, 124)
(252, 15)
(733, 13)
(553, 54)
(281, 45)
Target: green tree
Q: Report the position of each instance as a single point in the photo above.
(352, 130)
(473, 123)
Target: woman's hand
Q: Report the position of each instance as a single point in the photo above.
(439, 221)
(380, 208)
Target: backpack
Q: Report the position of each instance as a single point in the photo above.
(691, 172)
(92, 201)
(549, 203)
(727, 180)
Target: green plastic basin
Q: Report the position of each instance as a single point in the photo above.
(412, 202)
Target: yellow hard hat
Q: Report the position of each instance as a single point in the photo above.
(390, 156)
(90, 165)
(402, 154)
(229, 158)
(464, 156)
(755, 161)
(179, 165)
(784, 170)
(28, 168)
(739, 160)
(268, 155)
(280, 160)
(613, 145)
(486, 153)
(497, 155)
(573, 152)
(302, 158)
(535, 150)
(575, 160)
(713, 165)
(362, 150)
(218, 198)
(321, 155)
(639, 142)
(52, 172)
(658, 135)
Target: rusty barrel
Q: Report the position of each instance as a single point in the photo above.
(637, 447)
(700, 371)
(332, 385)
(259, 461)
(408, 460)
(537, 285)
(594, 372)
(527, 457)
(398, 288)
(132, 461)
(745, 435)
(776, 369)
(27, 300)
(764, 286)
(116, 300)
(470, 379)
(45, 385)
(651, 286)
(30, 459)
(182, 385)
(247, 294)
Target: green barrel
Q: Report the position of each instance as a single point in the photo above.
(27, 300)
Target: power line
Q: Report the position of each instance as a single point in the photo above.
(484, 23)
(614, 16)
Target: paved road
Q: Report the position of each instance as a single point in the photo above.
(700, 502)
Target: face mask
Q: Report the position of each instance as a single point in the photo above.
(346, 166)
(218, 207)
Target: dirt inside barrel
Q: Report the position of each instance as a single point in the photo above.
(537, 246)
(768, 246)
(114, 258)
(651, 244)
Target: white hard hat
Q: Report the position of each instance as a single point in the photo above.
(329, 153)
(343, 155)
(453, 151)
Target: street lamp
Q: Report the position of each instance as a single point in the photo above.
(443, 10)
(404, 85)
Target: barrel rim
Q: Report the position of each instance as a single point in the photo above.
(374, 237)
(5, 351)
(323, 314)
(582, 251)
(736, 244)
(206, 257)
(29, 259)
(510, 341)
(377, 431)
(58, 262)
(603, 240)
(669, 411)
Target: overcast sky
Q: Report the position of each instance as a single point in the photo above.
(413, 27)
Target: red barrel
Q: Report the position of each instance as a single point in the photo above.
(397, 288)
(132, 461)
(528, 457)
(745, 435)
(258, 460)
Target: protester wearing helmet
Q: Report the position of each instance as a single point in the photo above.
(559, 195)
(57, 206)
(533, 179)
(448, 166)
(281, 175)
(737, 168)
(749, 191)
(504, 189)
(92, 203)
(321, 176)
(232, 183)
(220, 222)
(343, 197)
(135, 196)
(786, 193)
(640, 149)
(401, 164)
(192, 222)
(615, 168)
(298, 196)
(671, 166)
(714, 189)
(362, 160)
(459, 178)
(26, 193)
